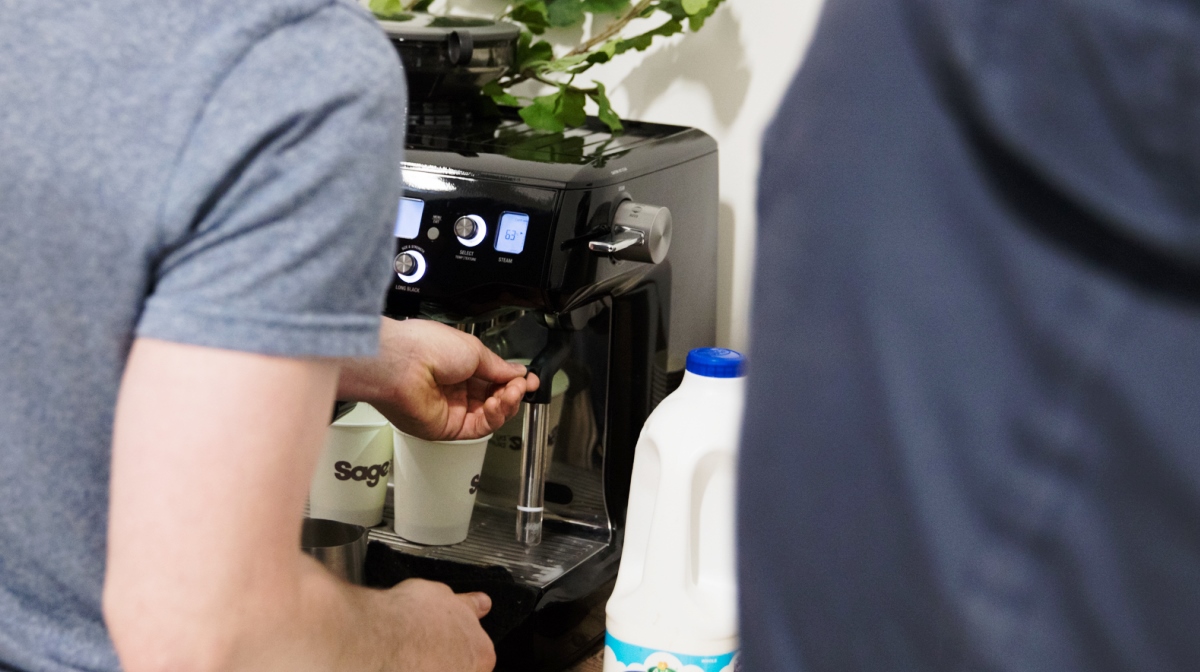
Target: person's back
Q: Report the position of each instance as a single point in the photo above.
(973, 410)
(142, 146)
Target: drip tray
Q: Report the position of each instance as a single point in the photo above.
(491, 542)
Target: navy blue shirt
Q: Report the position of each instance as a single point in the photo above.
(972, 433)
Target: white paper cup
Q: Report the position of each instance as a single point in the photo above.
(502, 464)
(435, 486)
(352, 473)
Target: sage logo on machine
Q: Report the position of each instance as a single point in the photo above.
(344, 471)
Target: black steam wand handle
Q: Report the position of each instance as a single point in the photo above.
(535, 438)
(547, 363)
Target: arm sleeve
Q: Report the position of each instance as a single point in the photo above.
(277, 223)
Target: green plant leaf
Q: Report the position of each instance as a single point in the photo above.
(531, 54)
(542, 113)
(535, 58)
(570, 110)
(533, 14)
(385, 9)
(497, 93)
(643, 41)
(603, 53)
(421, 5)
(564, 13)
(566, 63)
(557, 111)
(605, 6)
(385, 6)
(638, 43)
(696, 21)
(674, 8)
(606, 113)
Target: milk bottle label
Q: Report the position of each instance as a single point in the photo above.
(621, 656)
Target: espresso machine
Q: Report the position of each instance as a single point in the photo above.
(593, 256)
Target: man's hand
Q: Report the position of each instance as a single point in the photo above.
(442, 630)
(435, 382)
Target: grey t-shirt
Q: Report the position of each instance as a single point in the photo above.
(208, 172)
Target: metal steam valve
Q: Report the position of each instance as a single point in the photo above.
(639, 233)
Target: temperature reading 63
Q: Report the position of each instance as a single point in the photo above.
(510, 235)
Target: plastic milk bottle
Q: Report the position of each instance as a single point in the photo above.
(674, 606)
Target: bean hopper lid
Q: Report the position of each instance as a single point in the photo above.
(447, 60)
(422, 27)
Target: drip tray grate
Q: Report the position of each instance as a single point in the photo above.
(492, 541)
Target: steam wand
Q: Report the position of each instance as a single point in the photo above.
(535, 433)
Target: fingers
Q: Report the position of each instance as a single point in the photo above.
(511, 394)
(479, 603)
(494, 368)
(436, 629)
(502, 405)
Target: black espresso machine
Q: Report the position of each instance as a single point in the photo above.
(586, 252)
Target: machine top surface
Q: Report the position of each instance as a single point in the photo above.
(590, 156)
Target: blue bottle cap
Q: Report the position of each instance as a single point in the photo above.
(716, 362)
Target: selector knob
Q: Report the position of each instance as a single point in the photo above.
(470, 230)
(409, 266)
(405, 263)
(639, 233)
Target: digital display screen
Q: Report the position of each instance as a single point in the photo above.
(408, 220)
(510, 237)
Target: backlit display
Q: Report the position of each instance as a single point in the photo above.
(510, 236)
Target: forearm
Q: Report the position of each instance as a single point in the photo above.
(325, 624)
(297, 619)
(204, 569)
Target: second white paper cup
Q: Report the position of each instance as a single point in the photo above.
(350, 484)
(435, 487)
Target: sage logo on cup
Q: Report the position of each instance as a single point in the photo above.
(344, 471)
(513, 442)
(356, 460)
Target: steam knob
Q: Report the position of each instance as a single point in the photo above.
(640, 233)
(470, 230)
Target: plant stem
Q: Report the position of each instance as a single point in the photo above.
(612, 30)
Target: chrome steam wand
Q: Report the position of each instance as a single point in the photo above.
(535, 436)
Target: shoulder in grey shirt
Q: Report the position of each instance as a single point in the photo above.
(208, 172)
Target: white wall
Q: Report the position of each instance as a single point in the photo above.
(727, 80)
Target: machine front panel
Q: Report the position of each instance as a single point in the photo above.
(467, 243)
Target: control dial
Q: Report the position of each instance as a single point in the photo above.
(639, 233)
(410, 266)
(470, 230)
